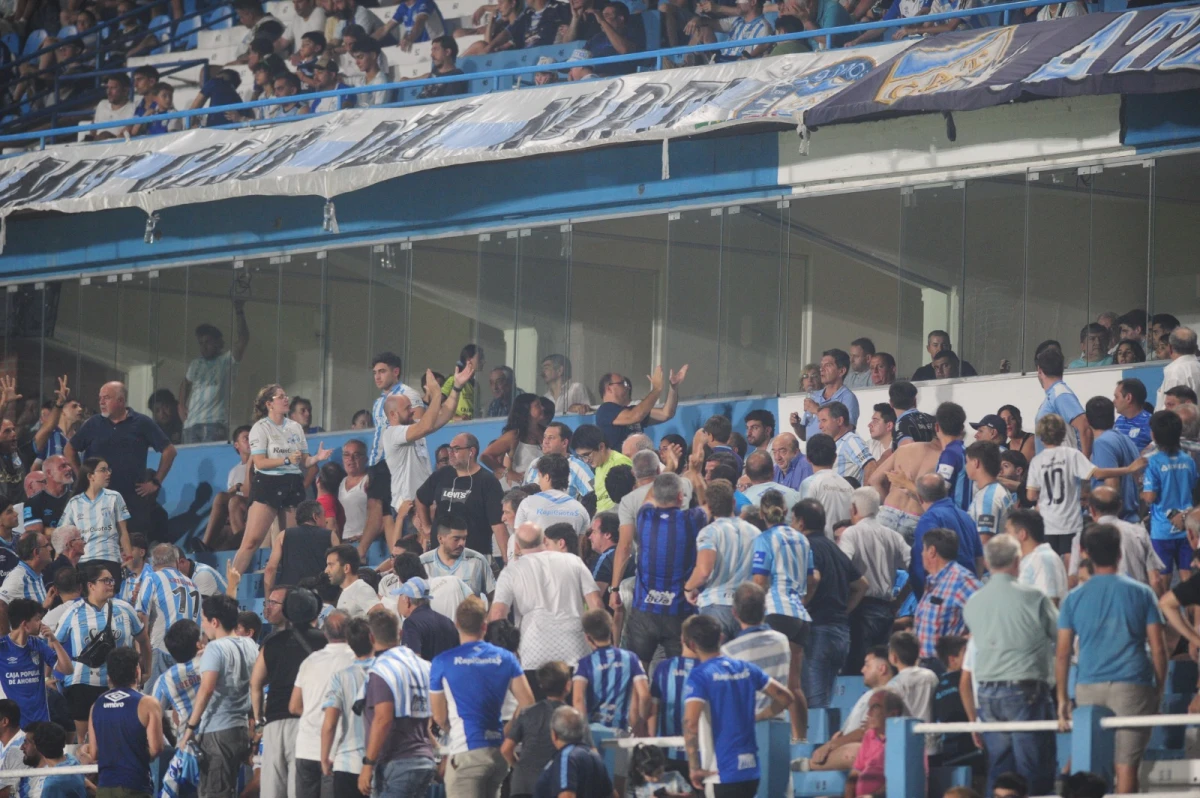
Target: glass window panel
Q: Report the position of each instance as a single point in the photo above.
(136, 354)
(931, 257)
(445, 279)
(347, 294)
(1119, 248)
(543, 306)
(1056, 290)
(23, 327)
(993, 289)
(302, 334)
(693, 306)
(62, 339)
(98, 324)
(618, 271)
(391, 268)
(843, 260)
(750, 301)
(496, 328)
(170, 331)
(213, 291)
(1176, 285)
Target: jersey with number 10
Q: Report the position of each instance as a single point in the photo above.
(170, 597)
(1056, 473)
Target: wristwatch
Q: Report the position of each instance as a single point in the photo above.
(612, 589)
(368, 761)
(287, 461)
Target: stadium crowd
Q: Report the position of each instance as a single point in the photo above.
(559, 581)
(51, 63)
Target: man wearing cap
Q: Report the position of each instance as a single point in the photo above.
(325, 72)
(575, 73)
(545, 78)
(426, 632)
(991, 428)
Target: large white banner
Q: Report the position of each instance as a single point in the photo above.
(336, 153)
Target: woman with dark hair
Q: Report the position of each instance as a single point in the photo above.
(86, 617)
(329, 479)
(101, 516)
(279, 454)
(679, 447)
(1018, 440)
(1129, 351)
(471, 353)
(520, 443)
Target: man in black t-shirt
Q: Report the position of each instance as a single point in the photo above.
(947, 702)
(618, 419)
(443, 52)
(468, 488)
(912, 426)
(45, 508)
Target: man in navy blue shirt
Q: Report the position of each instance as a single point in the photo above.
(618, 36)
(949, 426)
(124, 730)
(218, 91)
(25, 653)
(1133, 419)
(123, 437)
(425, 631)
(721, 693)
(666, 538)
(1111, 449)
(941, 512)
(575, 770)
(618, 419)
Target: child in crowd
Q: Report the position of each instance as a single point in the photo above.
(1168, 487)
(649, 778)
(249, 625)
(866, 776)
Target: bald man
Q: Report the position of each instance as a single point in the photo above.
(404, 448)
(549, 591)
(123, 437)
(791, 466)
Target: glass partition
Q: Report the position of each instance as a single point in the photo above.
(618, 289)
(170, 332)
(98, 323)
(496, 328)
(1119, 243)
(136, 355)
(751, 301)
(931, 262)
(348, 298)
(843, 267)
(223, 395)
(994, 274)
(694, 296)
(543, 303)
(302, 310)
(1175, 286)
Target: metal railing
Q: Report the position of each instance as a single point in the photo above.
(658, 55)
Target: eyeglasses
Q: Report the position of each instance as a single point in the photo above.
(624, 382)
(273, 601)
(103, 470)
(107, 580)
(461, 448)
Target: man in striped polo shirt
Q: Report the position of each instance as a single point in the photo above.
(553, 505)
(610, 684)
(399, 758)
(557, 440)
(666, 537)
(992, 501)
(724, 556)
(343, 735)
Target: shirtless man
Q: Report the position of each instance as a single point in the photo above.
(896, 482)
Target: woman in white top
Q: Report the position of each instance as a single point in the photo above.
(520, 443)
(279, 454)
(101, 516)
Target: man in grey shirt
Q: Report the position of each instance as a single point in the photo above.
(1014, 628)
(877, 552)
(646, 466)
(222, 704)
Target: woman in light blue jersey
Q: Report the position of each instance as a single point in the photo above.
(102, 518)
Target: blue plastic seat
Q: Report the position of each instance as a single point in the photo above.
(818, 783)
(34, 42)
(13, 42)
(185, 32)
(652, 22)
(161, 25)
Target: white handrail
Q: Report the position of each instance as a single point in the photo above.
(1123, 722)
(634, 742)
(1141, 721)
(67, 770)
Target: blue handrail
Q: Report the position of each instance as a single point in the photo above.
(307, 98)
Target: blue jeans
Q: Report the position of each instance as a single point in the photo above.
(724, 615)
(404, 778)
(1031, 754)
(827, 648)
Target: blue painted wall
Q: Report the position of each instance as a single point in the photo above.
(200, 471)
(588, 183)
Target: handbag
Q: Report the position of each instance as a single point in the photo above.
(99, 645)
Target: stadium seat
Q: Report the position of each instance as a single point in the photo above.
(652, 22)
(820, 783)
(822, 723)
(846, 692)
(217, 18)
(187, 32)
(34, 42)
(250, 588)
(774, 747)
(161, 25)
(13, 42)
(222, 37)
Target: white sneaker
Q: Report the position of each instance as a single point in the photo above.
(801, 764)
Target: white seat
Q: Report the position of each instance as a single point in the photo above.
(223, 37)
(385, 12)
(282, 10)
(461, 8)
(184, 95)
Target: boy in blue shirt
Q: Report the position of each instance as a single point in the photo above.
(1168, 486)
(610, 685)
(26, 652)
(721, 694)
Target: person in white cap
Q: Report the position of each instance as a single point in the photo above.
(580, 72)
(426, 632)
(545, 78)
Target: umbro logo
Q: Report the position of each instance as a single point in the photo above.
(117, 695)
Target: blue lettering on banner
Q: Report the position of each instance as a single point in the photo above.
(1076, 63)
(1178, 24)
